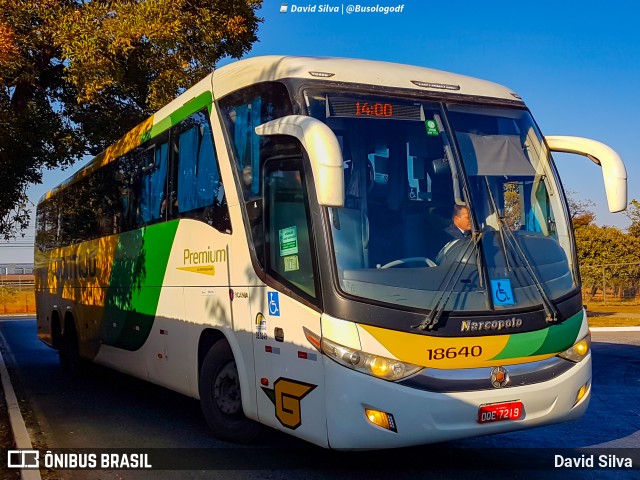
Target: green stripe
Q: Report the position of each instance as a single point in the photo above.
(523, 344)
(139, 266)
(205, 99)
(561, 336)
(554, 339)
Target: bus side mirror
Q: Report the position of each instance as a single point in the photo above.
(614, 172)
(323, 150)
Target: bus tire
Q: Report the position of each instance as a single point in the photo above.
(220, 396)
(69, 352)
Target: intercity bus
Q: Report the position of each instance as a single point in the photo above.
(275, 243)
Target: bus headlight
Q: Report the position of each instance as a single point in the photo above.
(374, 365)
(579, 350)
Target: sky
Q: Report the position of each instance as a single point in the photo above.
(576, 66)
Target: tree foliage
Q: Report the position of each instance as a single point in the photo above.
(76, 75)
(633, 213)
(580, 210)
(605, 254)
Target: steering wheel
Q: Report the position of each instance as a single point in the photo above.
(401, 261)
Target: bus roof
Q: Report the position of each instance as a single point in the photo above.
(253, 70)
(259, 69)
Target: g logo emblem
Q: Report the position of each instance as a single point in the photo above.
(286, 395)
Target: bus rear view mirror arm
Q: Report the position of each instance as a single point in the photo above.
(324, 153)
(614, 172)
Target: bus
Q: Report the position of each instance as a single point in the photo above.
(283, 242)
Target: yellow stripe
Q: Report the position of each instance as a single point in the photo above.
(204, 269)
(425, 350)
(130, 141)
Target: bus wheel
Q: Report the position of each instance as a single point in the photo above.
(220, 396)
(69, 348)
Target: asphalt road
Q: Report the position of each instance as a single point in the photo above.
(105, 409)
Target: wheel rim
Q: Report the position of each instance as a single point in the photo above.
(226, 390)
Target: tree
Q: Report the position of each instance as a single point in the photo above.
(580, 210)
(633, 213)
(76, 75)
(606, 251)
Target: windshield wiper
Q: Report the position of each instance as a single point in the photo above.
(452, 279)
(549, 308)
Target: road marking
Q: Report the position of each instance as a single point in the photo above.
(20, 433)
(615, 329)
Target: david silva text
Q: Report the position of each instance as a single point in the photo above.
(588, 461)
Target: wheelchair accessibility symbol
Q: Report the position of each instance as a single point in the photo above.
(501, 291)
(274, 304)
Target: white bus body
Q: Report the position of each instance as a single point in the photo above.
(273, 242)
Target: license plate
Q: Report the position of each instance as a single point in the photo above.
(498, 412)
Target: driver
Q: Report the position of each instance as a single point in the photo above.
(461, 223)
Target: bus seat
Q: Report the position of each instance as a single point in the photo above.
(351, 238)
(424, 233)
(415, 232)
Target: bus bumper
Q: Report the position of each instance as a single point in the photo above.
(424, 417)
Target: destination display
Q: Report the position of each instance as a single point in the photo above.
(373, 108)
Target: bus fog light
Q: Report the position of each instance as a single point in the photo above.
(381, 419)
(578, 351)
(581, 393)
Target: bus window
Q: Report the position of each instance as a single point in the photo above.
(199, 192)
(153, 183)
(47, 225)
(242, 112)
(108, 211)
(288, 232)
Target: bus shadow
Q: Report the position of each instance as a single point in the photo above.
(156, 418)
(613, 413)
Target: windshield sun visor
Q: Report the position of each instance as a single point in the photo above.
(494, 155)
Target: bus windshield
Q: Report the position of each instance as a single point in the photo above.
(395, 240)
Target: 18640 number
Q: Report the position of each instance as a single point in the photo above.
(454, 352)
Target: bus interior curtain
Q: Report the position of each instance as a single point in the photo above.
(145, 201)
(207, 177)
(357, 182)
(398, 180)
(157, 181)
(188, 156)
(538, 213)
(240, 133)
(248, 117)
(494, 155)
(256, 109)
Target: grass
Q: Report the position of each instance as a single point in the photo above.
(614, 314)
(14, 300)
(614, 308)
(614, 322)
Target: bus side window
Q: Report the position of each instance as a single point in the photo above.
(153, 183)
(126, 179)
(47, 225)
(199, 192)
(290, 256)
(242, 112)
